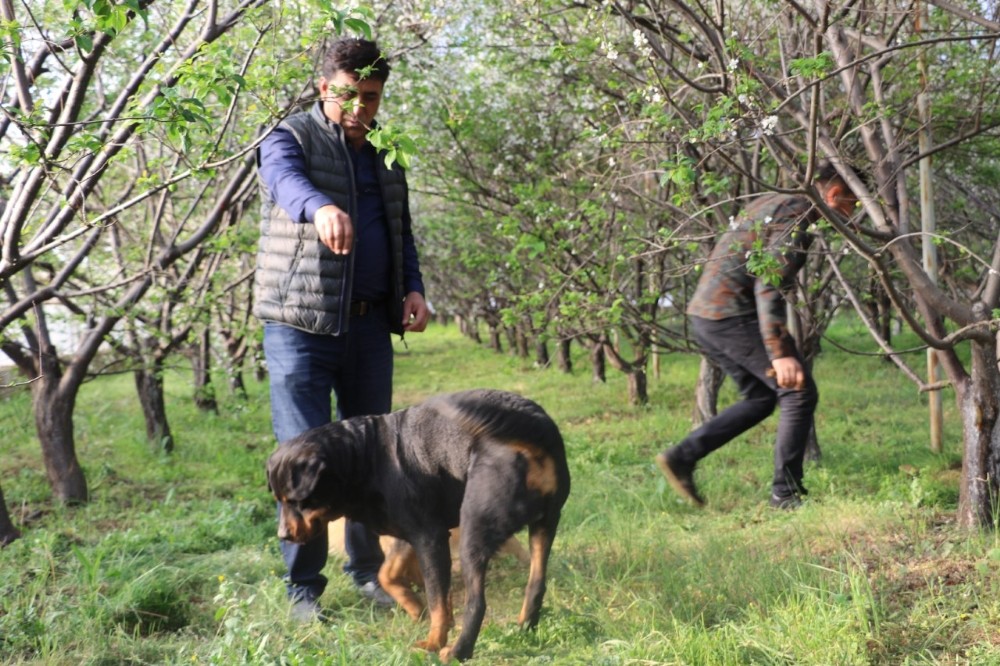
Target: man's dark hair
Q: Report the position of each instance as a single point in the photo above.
(827, 172)
(357, 56)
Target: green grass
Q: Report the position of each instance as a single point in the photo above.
(174, 561)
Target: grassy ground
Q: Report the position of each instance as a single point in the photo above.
(175, 560)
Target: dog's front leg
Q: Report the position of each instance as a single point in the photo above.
(434, 557)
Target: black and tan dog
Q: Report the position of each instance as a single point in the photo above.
(490, 460)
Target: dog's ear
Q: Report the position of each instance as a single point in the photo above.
(293, 476)
(303, 477)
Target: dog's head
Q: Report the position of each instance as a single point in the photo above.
(299, 477)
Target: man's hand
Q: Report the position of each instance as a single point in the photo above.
(416, 314)
(789, 373)
(335, 229)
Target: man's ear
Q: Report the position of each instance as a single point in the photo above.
(834, 190)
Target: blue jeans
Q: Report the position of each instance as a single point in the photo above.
(735, 344)
(305, 369)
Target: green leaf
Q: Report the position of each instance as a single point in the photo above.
(84, 42)
(359, 26)
(813, 68)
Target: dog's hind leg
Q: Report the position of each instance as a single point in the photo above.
(475, 552)
(491, 513)
(540, 536)
(435, 565)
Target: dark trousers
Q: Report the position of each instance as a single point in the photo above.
(305, 369)
(735, 344)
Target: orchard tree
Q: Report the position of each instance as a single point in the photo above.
(549, 209)
(127, 146)
(839, 82)
(129, 132)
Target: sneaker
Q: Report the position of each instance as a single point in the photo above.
(305, 610)
(374, 592)
(680, 476)
(785, 502)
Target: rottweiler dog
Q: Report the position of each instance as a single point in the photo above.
(489, 460)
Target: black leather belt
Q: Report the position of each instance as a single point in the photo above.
(361, 308)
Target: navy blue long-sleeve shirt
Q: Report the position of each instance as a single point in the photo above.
(282, 167)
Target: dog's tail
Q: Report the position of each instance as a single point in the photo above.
(499, 415)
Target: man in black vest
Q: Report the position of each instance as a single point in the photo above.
(337, 273)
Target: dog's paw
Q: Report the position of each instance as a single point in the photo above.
(445, 655)
(428, 645)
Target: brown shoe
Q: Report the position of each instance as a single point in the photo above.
(680, 476)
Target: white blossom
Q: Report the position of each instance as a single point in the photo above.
(732, 223)
(733, 64)
(768, 124)
(641, 43)
(609, 50)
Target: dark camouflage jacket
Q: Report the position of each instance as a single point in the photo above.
(753, 262)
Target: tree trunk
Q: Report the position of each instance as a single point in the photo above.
(563, 358)
(598, 364)
(706, 392)
(201, 362)
(469, 328)
(237, 348)
(542, 359)
(496, 343)
(979, 404)
(236, 384)
(8, 532)
(879, 308)
(54, 426)
(149, 386)
(511, 338)
(522, 342)
(638, 393)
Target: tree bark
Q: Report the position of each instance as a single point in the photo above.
(149, 386)
(496, 343)
(979, 405)
(638, 393)
(8, 533)
(706, 392)
(54, 426)
(522, 342)
(598, 364)
(542, 359)
(237, 349)
(634, 371)
(201, 362)
(511, 338)
(563, 358)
